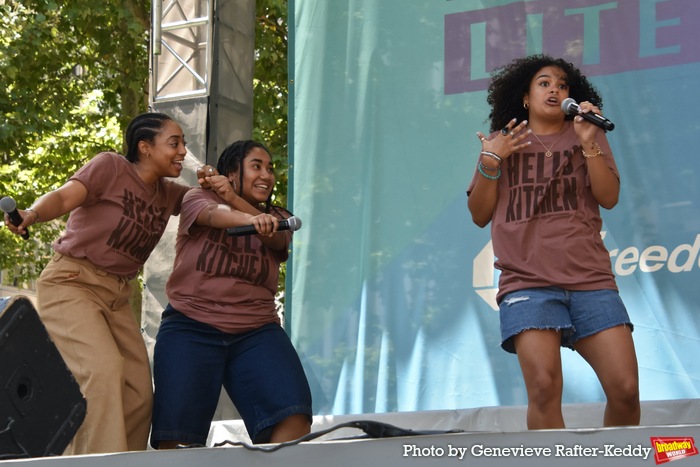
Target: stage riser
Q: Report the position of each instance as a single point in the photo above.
(390, 452)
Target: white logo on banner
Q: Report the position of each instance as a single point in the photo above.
(625, 262)
(683, 258)
(485, 277)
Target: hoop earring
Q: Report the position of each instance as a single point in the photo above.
(526, 105)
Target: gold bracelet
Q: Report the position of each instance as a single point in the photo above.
(590, 156)
(35, 213)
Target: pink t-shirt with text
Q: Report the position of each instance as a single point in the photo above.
(225, 281)
(122, 218)
(546, 228)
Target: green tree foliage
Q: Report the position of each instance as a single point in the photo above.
(270, 93)
(75, 72)
(270, 86)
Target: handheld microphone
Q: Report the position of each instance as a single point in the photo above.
(9, 207)
(570, 107)
(293, 223)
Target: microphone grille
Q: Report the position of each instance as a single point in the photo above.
(567, 105)
(294, 223)
(8, 204)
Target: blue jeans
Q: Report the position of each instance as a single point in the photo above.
(259, 369)
(576, 313)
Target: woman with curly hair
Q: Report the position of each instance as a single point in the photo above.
(221, 326)
(540, 180)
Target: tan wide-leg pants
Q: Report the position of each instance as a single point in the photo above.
(87, 315)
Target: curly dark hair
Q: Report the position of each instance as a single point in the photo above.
(511, 82)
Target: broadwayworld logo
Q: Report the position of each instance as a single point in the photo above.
(682, 258)
(669, 449)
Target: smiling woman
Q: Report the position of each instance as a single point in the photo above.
(119, 208)
(221, 326)
(164, 154)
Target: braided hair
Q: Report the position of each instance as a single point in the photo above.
(144, 127)
(511, 82)
(231, 160)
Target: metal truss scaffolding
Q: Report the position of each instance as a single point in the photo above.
(201, 74)
(202, 69)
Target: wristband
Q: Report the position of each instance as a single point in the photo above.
(490, 177)
(492, 155)
(591, 156)
(35, 213)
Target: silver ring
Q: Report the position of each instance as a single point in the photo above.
(482, 138)
(512, 135)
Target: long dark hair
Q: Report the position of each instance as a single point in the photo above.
(144, 127)
(511, 82)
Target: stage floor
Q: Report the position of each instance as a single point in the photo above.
(488, 437)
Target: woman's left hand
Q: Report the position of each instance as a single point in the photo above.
(202, 173)
(221, 185)
(586, 130)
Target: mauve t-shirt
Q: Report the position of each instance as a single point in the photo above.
(225, 281)
(122, 218)
(546, 228)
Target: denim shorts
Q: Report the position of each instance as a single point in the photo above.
(576, 313)
(259, 369)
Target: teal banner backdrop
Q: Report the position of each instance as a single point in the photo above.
(390, 294)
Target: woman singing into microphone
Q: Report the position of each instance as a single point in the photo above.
(540, 180)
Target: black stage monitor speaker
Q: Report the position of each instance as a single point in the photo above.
(41, 406)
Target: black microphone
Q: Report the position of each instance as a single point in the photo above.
(9, 207)
(293, 223)
(570, 107)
